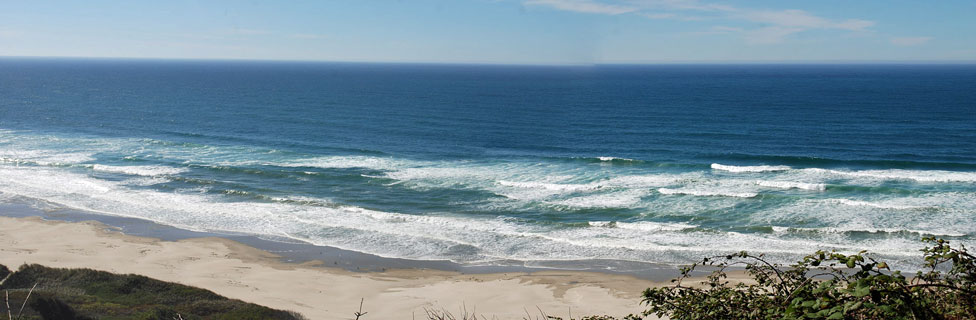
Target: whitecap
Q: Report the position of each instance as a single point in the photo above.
(560, 187)
(643, 226)
(613, 159)
(707, 193)
(742, 169)
(344, 162)
(147, 171)
(792, 185)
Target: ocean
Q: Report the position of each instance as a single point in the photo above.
(548, 166)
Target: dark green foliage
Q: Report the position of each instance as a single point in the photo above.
(825, 285)
(52, 308)
(159, 313)
(86, 293)
(4, 272)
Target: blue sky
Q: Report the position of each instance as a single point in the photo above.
(495, 31)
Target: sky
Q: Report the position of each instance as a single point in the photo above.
(495, 31)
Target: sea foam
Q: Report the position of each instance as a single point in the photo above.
(642, 225)
(741, 169)
(792, 185)
(608, 159)
(345, 162)
(928, 176)
(148, 171)
(858, 203)
(383, 233)
(844, 230)
(622, 199)
(707, 193)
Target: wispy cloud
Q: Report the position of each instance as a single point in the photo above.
(680, 5)
(802, 19)
(583, 6)
(764, 35)
(672, 16)
(909, 41)
(780, 24)
(774, 25)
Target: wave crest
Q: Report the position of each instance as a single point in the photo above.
(792, 185)
(642, 225)
(742, 169)
(146, 171)
(707, 193)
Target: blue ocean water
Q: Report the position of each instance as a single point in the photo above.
(505, 164)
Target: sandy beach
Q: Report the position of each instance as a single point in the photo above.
(237, 271)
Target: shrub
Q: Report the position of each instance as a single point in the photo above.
(824, 285)
(4, 272)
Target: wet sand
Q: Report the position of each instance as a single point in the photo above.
(314, 288)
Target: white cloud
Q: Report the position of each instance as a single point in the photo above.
(909, 41)
(583, 6)
(787, 18)
(776, 25)
(802, 19)
(680, 5)
(672, 16)
(784, 23)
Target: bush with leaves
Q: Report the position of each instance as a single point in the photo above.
(825, 285)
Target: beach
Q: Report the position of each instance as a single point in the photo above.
(238, 271)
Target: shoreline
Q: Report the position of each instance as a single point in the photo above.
(294, 251)
(313, 288)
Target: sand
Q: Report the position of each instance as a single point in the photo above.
(237, 271)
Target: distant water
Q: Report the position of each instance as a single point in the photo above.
(504, 164)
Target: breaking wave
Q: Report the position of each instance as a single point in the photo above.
(740, 169)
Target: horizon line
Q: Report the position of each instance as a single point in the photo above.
(555, 64)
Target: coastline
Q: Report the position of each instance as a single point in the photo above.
(314, 288)
(292, 251)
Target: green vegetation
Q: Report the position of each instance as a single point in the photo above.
(825, 285)
(4, 272)
(90, 294)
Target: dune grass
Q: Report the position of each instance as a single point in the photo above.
(91, 294)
